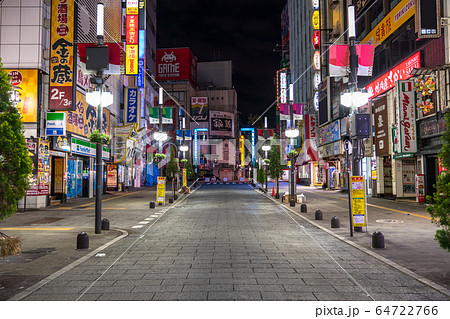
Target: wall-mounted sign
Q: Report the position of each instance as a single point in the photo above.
(316, 39)
(62, 66)
(391, 22)
(131, 59)
(132, 29)
(316, 19)
(381, 127)
(329, 133)
(388, 79)
(86, 148)
(132, 6)
(317, 80)
(26, 82)
(283, 87)
(56, 124)
(317, 60)
(132, 106)
(221, 124)
(428, 18)
(315, 4)
(316, 100)
(199, 108)
(406, 120)
(176, 64)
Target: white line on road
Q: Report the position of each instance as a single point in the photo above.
(144, 222)
(138, 226)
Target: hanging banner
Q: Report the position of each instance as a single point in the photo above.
(406, 119)
(339, 60)
(311, 137)
(161, 190)
(26, 84)
(358, 201)
(62, 59)
(365, 54)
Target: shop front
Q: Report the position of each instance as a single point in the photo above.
(331, 154)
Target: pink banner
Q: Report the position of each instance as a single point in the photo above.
(365, 54)
(311, 137)
(339, 60)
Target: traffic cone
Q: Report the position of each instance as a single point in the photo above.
(273, 191)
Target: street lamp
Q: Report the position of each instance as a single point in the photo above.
(292, 132)
(184, 149)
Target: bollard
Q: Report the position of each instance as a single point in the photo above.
(105, 224)
(83, 240)
(277, 196)
(292, 203)
(377, 240)
(318, 215)
(170, 200)
(175, 197)
(152, 204)
(335, 222)
(303, 208)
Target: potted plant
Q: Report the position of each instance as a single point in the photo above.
(97, 137)
(292, 154)
(159, 157)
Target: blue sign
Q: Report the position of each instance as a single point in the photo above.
(141, 49)
(140, 80)
(131, 105)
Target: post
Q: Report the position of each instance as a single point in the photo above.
(161, 101)
(292, 190)
(346, 142)
(99, 147)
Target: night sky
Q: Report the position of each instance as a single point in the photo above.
(245, 32)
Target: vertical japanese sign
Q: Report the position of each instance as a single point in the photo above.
(62, 67)
(358, 198)
(161, 190)
(184, 177)
(26, 83)
(406, 120)
(420, 188)
(44, 168)
(132, 106)
(132, 38)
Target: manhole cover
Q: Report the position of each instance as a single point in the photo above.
(45, 220)
(389, 221)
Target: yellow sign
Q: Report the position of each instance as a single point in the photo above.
(161, 190)
(25, 82)
(132, 59)
(316, 19)
(83, 120)
(242, 149)
(132, 11)
(391, 22)
(358, 198)
(184, 177)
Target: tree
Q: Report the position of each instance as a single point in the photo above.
(172, 169)
(440, 209)
(15, 163)
(261, 175)
(275, 168)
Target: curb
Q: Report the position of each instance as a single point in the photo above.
(402, 269)
(60, 272)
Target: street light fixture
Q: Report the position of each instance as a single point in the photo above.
(292, 133)
(266, 148)
(354, 98)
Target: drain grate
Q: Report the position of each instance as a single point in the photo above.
(389, 221)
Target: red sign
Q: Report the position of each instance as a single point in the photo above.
(132, 29)
(400, 72)
(311, 137)
(176, 64)
(316, 39)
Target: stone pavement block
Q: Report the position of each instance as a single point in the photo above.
(278, 281)
(198, 287)
(181, 296)
(112, 289)
(161, 288)
(325, 296)
(326, 282)
(235, 295)
(289, 296)
(310, 288)
(126, 297)
(188, 281)
(258, 287)
(247, 274)
(146, 282)
(86, 283)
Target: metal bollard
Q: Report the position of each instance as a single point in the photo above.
(105, 224)
(335, 222)
(292, 203)
(303, 208)
(83, 240)
(170, 200)
(175, 197)
(152, 204)
(377, 240)
(318, 215)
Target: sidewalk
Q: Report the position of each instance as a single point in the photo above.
(406, 227)
(50, 235)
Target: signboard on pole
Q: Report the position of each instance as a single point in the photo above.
(184, 177)
(420, 188)
(358, 200)
(161, 190)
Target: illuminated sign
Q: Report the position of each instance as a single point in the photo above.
(406, 120)
(317, 80)
(26, 82)
(317, 60)
(141, 44)
(131, 62)
(61, 55)
(387, 80)
(132, 29)
(391, 22)
(316, 39)
(283, 87)
(132, 6)
(316, 19)
(315, 4)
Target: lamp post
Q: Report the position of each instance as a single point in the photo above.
(292, 133)
(266, 149)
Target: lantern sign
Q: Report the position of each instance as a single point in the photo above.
(315, 4)
(316, 39)
(316, 20)
(317, 80)
(316, 100)
(283, 87)
(317, 60)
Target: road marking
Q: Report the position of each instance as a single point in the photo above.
(159, 213)
(144, 222)
(149, 219)
(138, 226)
(37, 228)
(154, 216)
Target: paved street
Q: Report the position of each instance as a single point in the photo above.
(227, 242)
